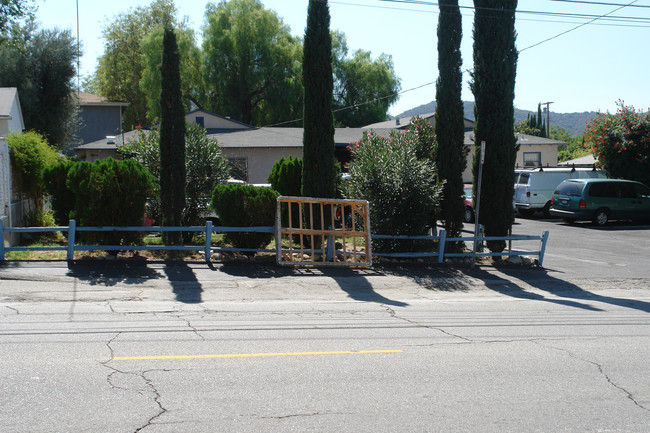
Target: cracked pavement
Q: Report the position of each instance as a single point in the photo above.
(254, 348)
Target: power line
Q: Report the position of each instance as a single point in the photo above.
(576, 28)
(360, 103)
(592, 18)
(601, 4)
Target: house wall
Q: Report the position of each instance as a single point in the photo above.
(260, 160)
(99, 121)
(548, 154)
(5, 186)
(92, 155)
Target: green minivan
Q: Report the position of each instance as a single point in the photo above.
(600, 200)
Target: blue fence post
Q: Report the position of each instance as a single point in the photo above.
(72, 229)
(2, 240)
(208, 240)
(441, 245)
(542, 249)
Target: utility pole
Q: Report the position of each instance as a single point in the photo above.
(548, 116)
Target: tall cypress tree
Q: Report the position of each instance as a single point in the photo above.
(493, 85)
(172, 139)
(319, 174)
(540, 121)
(449, 117)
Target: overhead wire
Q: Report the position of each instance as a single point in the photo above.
(592, 18)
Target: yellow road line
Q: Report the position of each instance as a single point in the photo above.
(252, 355)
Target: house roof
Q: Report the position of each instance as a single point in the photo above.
(274, 137)
(90, 99)
(7, 97)
(227, 122)
(404, 122)
(584, 160)
(522, 139)
(398, 122)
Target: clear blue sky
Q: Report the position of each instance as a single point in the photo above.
(586, 69)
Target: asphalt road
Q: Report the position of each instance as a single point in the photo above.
(129, 346)
(583, 250)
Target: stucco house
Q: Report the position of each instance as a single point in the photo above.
(106, 146)
(11, 120)
(100, 117)
(533, 151)
(255, 151)
(252, 151)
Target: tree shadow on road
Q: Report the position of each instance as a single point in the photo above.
(461, 278)
(539, 278)
(354, 282)
(111, 273)
(185, 285)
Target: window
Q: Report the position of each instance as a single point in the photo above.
(523, 179)
(238, 168)
(200, 121)
(532, 159)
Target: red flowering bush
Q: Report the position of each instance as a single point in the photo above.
(621, 142)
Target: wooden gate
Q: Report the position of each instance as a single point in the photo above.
(343, 240)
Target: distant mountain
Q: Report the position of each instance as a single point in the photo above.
(572, 122)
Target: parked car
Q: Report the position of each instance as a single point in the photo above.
(469, 204)
(534, 187)
(601, 200)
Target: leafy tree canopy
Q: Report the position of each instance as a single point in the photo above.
(120, 68)
(363, 86)
(250, 55)
(42, 67)
(11, 12)
(190, 70)
(249, 67)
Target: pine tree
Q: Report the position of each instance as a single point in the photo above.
(493, 85)
(172, 139)
(319, 173)
(449, 118)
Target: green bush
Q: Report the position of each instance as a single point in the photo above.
(286, 176)
(55, 178)
(205, 167)
(245, 206)
(402, 189)
(30, 154)
(110, 193)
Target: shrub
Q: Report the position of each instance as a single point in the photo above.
(110, 193)
(286, 176)
(245, 206)
(621, 142)
(205, 168)
(30, 154)
(55, 178)
(402, 190)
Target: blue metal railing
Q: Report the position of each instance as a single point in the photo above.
(209, 229)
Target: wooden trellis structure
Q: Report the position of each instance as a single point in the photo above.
(343, 240)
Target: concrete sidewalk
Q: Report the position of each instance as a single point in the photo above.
(243, 281)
